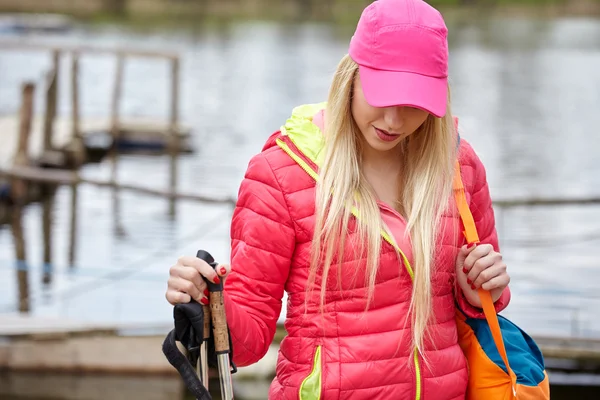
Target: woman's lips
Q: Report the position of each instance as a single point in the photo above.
(385, 135)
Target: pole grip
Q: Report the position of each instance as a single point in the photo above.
(204, 255)
(206, 330)
(219, 320)
(217, 309)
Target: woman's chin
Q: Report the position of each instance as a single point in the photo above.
(382, 145)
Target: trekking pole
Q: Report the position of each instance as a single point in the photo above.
(220, 331)
(203, 359)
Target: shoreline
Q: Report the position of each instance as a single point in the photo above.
(158, 13)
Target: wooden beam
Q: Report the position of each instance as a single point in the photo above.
(67, 177)
(20, 45)
(77, 146)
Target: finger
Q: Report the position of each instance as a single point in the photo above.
(500, 281)
(223, 270)
(201, 266)
(462, 255)
(192, 275)
(185, 286)
(478, 267)
(190, 261)
(480, 251)
(175, 297)
(497, 268)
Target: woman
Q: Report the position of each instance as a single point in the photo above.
(348, 208)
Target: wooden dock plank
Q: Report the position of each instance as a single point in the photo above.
(12, 325)
(62, 176)
(30, 343)
(52, 385)
(40, 344)
(135, 128)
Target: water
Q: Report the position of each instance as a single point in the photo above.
(525, 90)
(98, 387)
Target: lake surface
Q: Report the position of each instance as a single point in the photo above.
(526, 91)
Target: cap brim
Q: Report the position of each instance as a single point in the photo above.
(391, 88)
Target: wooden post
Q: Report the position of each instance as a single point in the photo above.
(47, 205)
(51, 100)
(115, 125)
(116, 134)
(21, 158)
(73, 224)
(78, 149)
(19, 194)
(21, 260)
(75, 95)
(174, 132)
(25, 116)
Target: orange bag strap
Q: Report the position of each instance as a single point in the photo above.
(471, 236)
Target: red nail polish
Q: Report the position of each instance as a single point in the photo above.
(473, 286)
(466, 271)
(217, 280)
(469, 281)
(223, 271)
(206, 292)
(204, 301)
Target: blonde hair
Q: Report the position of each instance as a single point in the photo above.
(426, 188)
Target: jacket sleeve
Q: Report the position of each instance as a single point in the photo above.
(475, 180)
(263, 241)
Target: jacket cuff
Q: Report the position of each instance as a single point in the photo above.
(476, 312)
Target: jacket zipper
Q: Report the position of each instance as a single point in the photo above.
(418, 376)
(304, 165)
(309, 389)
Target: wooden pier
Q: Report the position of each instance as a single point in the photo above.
(144, 134)
(50, 131)
(44, 139)
(43, 344)
(55, 344)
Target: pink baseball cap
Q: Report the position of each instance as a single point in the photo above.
(401, 47)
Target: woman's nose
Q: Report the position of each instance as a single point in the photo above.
(394, 117)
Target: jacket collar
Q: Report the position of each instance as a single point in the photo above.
(306, 136)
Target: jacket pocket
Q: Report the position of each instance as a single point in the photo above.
(310, 389)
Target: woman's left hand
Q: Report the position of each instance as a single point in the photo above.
(481, 267)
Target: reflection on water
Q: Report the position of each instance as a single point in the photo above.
(525, 90)
(93, 387)
(18, 386)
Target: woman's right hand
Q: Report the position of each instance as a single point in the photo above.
(186, 280)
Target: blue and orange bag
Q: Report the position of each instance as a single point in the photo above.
(504, 362)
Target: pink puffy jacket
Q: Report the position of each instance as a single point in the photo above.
(345, 352)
